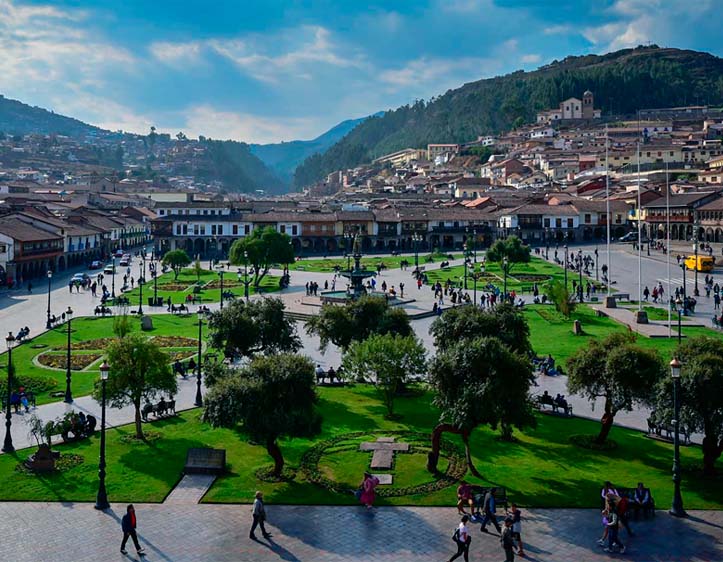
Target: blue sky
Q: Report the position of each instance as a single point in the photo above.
(264, 71)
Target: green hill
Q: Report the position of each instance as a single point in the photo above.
(17, 118)
(622, 82)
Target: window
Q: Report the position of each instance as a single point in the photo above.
(203, 230)
(587, 218)
(234, 229)
(294, 230)
(213, 229)
(205, 211)
(247, 228)
(219, 229)
(569, 223)
(282, 228)
(195, 230)
(558, 223)
(162, 212)
(546, 222)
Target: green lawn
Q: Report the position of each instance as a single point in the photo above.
(540, 469)
(551, 333)
(54, 342)
(178, 289)
(327, 265)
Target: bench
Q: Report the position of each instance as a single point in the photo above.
(479, 492)
(632, 506)
(656, 429)
(621, 296)
(555, 408)
(159, 409)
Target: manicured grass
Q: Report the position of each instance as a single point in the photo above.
(327, 265)
(83, 330)
(178, 289)
(541, 469)
(551, 333)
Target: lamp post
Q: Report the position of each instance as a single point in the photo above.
(199, 398)
(101, 500)
(565, 267)
(474, 244)
(141, 282)
(685, 298)
(246, 275)
(416, 239)
(8, 444)
(579, 270)
(466, 259)
(696, 293)
(220, 274)
(679, 307)
(505, 263)
(48, 325)
(113, 280)
(68, 393)
(676, 508)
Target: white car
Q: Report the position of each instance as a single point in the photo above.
(108, 270)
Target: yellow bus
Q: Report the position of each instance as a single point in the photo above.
(705, 263)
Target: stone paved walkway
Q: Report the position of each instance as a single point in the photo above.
(219, 533)
(190, 490)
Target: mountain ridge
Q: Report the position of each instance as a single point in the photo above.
(622, 81)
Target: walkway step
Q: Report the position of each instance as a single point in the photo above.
(190, 490)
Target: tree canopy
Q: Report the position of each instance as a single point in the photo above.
(272, 397)
(139, 371)
(388, 359)
(617, 371)
(244, 329)
(504, 322)
(265, 247)
(176, 260)
(357, 320)
(511, 248)
(479, 381)
(701, 395)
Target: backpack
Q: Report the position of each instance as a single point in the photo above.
(455, 535)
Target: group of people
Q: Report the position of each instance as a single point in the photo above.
(616, 512)
(312, 289)
(486, 513)
(546, 365)
(658, 293)
(20, 398)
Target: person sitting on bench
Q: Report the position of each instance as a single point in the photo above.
(641, 499)
(561, 403)
(331, 373)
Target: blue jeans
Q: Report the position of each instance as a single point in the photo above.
(613, 538)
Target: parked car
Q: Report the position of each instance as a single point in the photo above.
(95, 265)
(125, 261)
(108, 269)
(629, 237)
(119, 253)
(80, 278)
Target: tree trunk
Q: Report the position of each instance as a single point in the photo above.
(607, 424)
(433, 456)
(712, 449)
(275, 452)
(468, 455)
(139, 421)
(258, 278)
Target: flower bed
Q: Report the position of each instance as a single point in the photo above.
(181, 355)
(173, 286)
(174, 341)
(532, 278)
(100, 343)
(78, 361)
(227, 284)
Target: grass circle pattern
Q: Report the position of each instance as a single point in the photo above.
(419, 443)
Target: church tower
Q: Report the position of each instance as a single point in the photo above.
(587, 105)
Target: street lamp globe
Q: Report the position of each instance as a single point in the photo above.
(104, 370)
(675, 366)
(10, 340)
(200, 315)
(50, 274)
(69, 313)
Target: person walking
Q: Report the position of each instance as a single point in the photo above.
(489, 509)
(128, 525)
(463, 540)
(368, 495)
(259, 515)
(613, 526)
(507, 541)
(516, 516)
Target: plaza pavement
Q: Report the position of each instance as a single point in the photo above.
(72, 532)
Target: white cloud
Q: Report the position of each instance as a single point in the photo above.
(294, 53)
(557, 30)
(510, 45)
(218, 124)
(532, 58)
(102, 112)
(638, 21)
(176, 54)
(439, 72)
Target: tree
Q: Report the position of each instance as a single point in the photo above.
(357, 320)
(176, 260)
(479, 381)
(616, 370)
(511, 248)
(265, 247)
(139, 371)
(701, 395)
(560, 297)
(272, 397)
(197, 269)
(467, 322)
(389, 358)
(244, 329)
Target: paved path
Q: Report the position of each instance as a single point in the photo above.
(190, 490)
(219, 533)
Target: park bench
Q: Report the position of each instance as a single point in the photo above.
(555, 408)
(656, 429)
(621, 296)
(323, 375)
(159, 409)
(630, 494)
(102, 310)
(16, 400)
(479, 492)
